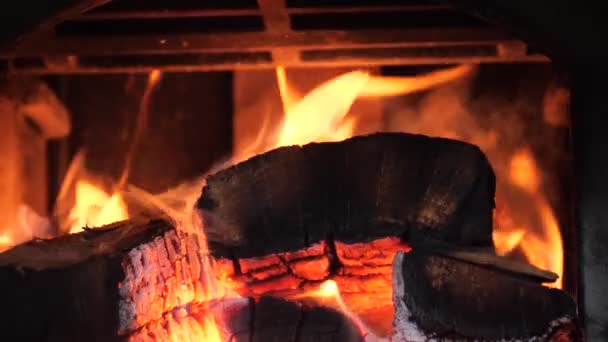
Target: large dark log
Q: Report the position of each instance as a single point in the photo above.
(97, 285)
(361, 189)
(445, 298)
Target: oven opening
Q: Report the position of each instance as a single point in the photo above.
(285, 170)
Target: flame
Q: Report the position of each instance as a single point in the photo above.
(95, 208)
(209, 331)
(320, 114)
(542, 246)
(523, 171)
(506, 241)
(545, 250)
(28, 225)
(328, 293)
(323, 115)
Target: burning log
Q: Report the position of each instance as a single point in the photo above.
(244, 319)
(444, 298)
(281, 223)
(358, 190)
(345, 209)
(97, 285)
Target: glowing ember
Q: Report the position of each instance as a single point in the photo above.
(323, 115)
(329, 289)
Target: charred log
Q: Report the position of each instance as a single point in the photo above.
(99, 284)
(245, 320)
(449, 299)
(358, 190)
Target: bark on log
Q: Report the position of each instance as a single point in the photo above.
(97, 285)
(357, 190)
(448, 299)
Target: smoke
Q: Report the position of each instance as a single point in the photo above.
(513, 125)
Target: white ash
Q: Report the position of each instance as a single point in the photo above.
(160, 276)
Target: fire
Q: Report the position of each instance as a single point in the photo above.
(95, 208)
(328, 294)
(542, 248)
(209, 331)
(323, 115)
(523, 171)
(545, 250)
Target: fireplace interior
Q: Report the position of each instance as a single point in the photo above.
(291, 170)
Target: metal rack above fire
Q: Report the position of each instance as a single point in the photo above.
(137, 36)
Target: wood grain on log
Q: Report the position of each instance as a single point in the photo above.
(98, 284)
(445, 298)
(357, 190)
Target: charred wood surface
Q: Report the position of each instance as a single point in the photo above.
(97, 285)
(246, 320)
(357, 190)
(445, 298)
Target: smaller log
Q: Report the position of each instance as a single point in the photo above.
(442, 298)
(98, 285)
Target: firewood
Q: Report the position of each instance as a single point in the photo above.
(361, 189)
(97, 285)
(243, 320)
(448, 299)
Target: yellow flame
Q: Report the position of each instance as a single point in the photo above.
(329, 289)
(322, 115)
(5, 242)
(390, 86)
(94, 207)
(210, 331)
(319, 115)
(506, 241)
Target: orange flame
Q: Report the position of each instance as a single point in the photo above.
(329, 291)
(543, 248)
(523, 171)
(209, 331)
(95, 208)
(323, 115)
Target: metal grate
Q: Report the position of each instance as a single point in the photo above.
(138, 35)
